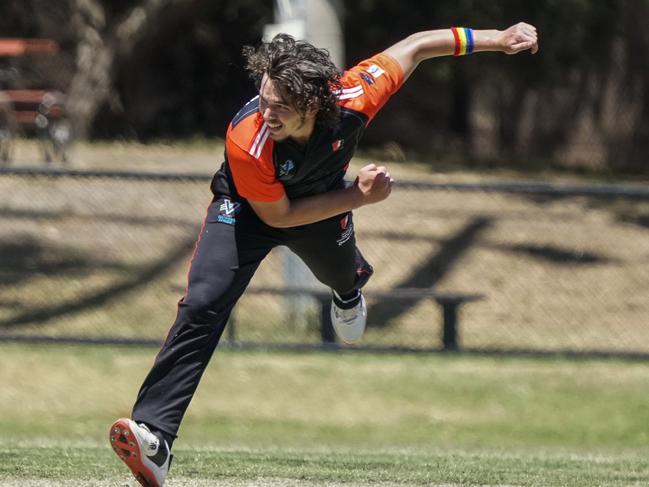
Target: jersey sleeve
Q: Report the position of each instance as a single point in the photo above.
(369, 85)
(253, 177)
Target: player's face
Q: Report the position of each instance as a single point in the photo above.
(282, 118)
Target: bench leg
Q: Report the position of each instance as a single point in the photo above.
(449, 324)
(327, 333)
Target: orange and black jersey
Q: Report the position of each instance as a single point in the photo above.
(260, 169)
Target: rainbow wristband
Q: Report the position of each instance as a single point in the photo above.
(463, 40)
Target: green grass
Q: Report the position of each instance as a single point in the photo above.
(212, 466)
(321, 419)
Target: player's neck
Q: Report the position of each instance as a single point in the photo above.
(304, 133)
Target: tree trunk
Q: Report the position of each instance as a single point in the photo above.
(101, 49)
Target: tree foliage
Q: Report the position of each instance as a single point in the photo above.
(173, 68)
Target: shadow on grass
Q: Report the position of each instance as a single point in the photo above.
(638, 220)
(24, 257)
(556, 255)
(432, 271)
(130, 219)
(429, 273)
(29, 253)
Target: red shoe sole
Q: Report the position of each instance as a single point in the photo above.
(127, 449)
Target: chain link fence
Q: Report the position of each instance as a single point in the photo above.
(103, 257)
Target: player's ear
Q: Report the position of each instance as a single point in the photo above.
(312, 111)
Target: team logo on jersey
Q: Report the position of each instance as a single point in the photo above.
(368, 79)
(344, 222)
(347, 227)
(337, 145)
(375, 71)
(227, 210)
(286, 169)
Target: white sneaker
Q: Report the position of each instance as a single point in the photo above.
(142, 451)
(349, 323)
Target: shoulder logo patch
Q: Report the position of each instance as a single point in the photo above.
(368, 79)
(375, 71)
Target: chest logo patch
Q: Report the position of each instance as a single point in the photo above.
(337, 145)
(286, 169)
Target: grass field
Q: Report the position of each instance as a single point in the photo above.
(95, 257)
(319, 419)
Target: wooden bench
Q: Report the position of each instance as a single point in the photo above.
(13, 47)
(29, 111)
(450, 304)
(28, 105)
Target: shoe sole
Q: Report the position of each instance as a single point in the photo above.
(125, 445)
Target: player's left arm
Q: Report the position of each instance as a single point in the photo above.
(445, 42)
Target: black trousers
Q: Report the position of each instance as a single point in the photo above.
(231, 245)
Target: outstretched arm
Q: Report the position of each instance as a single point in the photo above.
(443, 42)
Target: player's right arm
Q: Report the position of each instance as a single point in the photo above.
(255, 180)
(372, 185)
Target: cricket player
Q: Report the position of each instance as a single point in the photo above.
(283, 183)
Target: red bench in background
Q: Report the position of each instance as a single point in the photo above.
(31, 112)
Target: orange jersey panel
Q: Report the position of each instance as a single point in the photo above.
(250, 152)
(250, 157)
(370, 84)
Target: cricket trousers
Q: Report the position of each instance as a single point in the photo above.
(230, 247)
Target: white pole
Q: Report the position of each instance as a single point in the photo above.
(318, 22)
(323, 27)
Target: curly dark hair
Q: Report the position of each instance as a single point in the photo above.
(305, 75)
